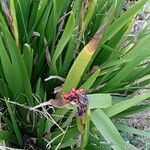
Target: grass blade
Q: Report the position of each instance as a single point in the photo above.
(15, 126)
(7, 136)
(128, 129)
(91, 80)
(107, 129)
(119, 107)
(64, 40)
(99, 100)
(121, 21)
(28, 58)
(83, 60)
(14, 21)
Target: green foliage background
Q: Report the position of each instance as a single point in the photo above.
(83, 42)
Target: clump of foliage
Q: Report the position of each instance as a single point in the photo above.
(77, 54)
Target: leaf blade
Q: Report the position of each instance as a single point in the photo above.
(107, 129)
